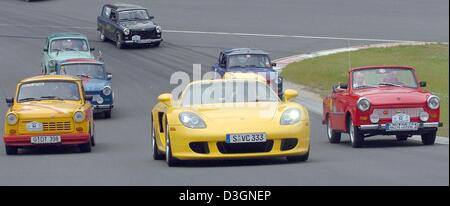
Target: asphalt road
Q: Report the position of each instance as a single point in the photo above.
(123, 152)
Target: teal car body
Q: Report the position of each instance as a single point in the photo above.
(64, 46)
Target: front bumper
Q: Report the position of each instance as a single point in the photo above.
(143, 41)
(66, 139)
(102, 107)
(381, 128)
(275, 146)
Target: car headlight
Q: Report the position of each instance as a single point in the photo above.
(433, 102)
(424, 116)
(363, 104)
(191, 120)
(126, 31)
(11, 119)
(290, 116)
(52, 63)
(158, 29)
(374, 118)
(107, 91)
(78, 116)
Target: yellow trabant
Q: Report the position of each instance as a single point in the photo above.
(49, 110)
(229, 119)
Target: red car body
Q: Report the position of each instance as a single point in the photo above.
(341, 113)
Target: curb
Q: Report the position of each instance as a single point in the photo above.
(313, 101)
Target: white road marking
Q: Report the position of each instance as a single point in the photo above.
(228, 33)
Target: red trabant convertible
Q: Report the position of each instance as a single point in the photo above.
(381, 100)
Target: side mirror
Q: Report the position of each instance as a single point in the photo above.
(290, 94)
(92, 48)
(10, 102)
(109, 76)
(423, 84)
(151, 17)
(343, 86)
(165, 98)
(274, 64)
(89, 98)
(45, 50)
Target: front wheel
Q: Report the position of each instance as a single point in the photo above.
(119, 43)
(333, 136)
(86, 147)
(356, 137)
(429, 138)
(10, 150)
(171, 161)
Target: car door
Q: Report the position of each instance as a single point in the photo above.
(112, 25)
(338, 109)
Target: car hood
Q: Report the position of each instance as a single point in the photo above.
(391, 95)
(71, 55)
(93, 84)
(46, 109)
(138, 25)
(239, 112)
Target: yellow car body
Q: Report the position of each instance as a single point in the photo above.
(51, 120)
(224, 119)
(244, 76)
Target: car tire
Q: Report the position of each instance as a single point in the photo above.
(356, 137)
(300, 158)
(429, 138)
(10, 150)
(86, 147)
(107, 114)
(157, 155)
(333, 136)
(170, 160)
(102, 35)
(401, 138)
(119, 43)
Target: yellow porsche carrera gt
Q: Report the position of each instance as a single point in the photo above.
(229, 119)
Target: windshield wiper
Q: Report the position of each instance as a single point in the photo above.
(390, 84)
(51, 97)
(365, 86)
(84, 75)
(28, 99)
(70, 49)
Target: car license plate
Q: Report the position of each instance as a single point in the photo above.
(34, 126)
(407, 126)
(136, 38)
(45, 139)
(400, 118)
(246, 138)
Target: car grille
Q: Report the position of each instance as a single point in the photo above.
(388, 113)
(147, 34)
(237, 148)
(49, 126)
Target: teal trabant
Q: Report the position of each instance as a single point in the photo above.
(63, 46)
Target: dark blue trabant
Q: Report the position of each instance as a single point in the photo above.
(96, 82)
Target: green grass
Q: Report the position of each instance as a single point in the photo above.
(431, 62)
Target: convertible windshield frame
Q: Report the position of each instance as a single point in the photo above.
(412, 84)
(22, 100)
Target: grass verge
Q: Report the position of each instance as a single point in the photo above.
(431, 62)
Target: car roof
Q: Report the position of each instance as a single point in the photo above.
(236, 51)
(382, 66)
(124, 6)
(50, 77)
(81, 60)
(66, 35)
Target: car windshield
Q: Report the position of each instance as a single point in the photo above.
(48, 90)
(96, 71)
(248, 60)
(227, 92)
(133, 15)
(69, 45)
(380, 77)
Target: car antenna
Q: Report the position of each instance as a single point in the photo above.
(349, 60)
